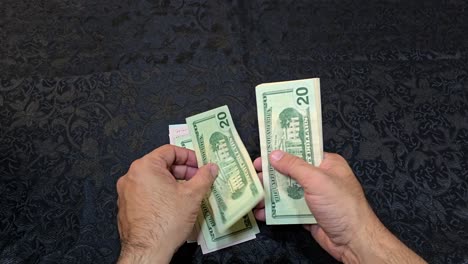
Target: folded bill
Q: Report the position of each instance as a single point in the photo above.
(290, 119)
(237, 188)
(210, 239)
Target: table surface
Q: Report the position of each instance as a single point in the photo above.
(87, 87)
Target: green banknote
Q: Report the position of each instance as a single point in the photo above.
(210, 239)
(237, 188)
(290, 119)
(184, 141)
(177, 130)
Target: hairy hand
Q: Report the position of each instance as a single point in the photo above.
(347, 227)
(156, 212)
(333, 194)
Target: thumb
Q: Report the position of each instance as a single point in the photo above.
(203, 179)
(292, 166)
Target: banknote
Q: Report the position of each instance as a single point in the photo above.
(290, 119)
(209, 238)
(177, 130)
(237, 188)
(184, 141)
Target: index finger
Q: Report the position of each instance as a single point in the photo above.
(169, 155)
(258, 164)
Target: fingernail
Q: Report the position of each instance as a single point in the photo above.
(277, 155)
(214, 169)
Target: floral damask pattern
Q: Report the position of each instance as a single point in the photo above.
(87, 87)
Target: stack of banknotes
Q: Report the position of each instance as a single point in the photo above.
(290, 119)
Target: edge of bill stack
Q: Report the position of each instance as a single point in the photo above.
(206, 235)
(289, 118)
(237, 188)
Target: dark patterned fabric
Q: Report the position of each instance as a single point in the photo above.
(88, 86)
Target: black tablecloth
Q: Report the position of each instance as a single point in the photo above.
(88, 86)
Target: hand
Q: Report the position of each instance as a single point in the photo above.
(347, 227)
(332, 193)
(156, 212)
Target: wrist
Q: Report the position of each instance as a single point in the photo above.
(374, 243)
(130, 254)
(366, 247)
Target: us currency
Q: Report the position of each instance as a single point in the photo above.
(210, 239)
(290, 119)
(184, 141)
(177, 130)
(237, 188)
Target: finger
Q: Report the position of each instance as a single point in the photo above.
(314, 230)
(260, 177)
(203, 179)
(330, 159)
(259, 214)
(169, 155)
(183, 172)
(258, 164)
(292, 166)
(260, 205)
(333, 156)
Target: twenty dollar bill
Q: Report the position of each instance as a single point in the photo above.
(210, 239)
(237, 188)
(290, 119)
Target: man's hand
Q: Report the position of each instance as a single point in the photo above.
(347, 227)
(156, 212)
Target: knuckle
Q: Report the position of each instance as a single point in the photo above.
(156, 159)
(296, 162)
(165, 148)
(158, 162)
(336, 157)
(136, 165)
(120, 184)
(137, 170)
